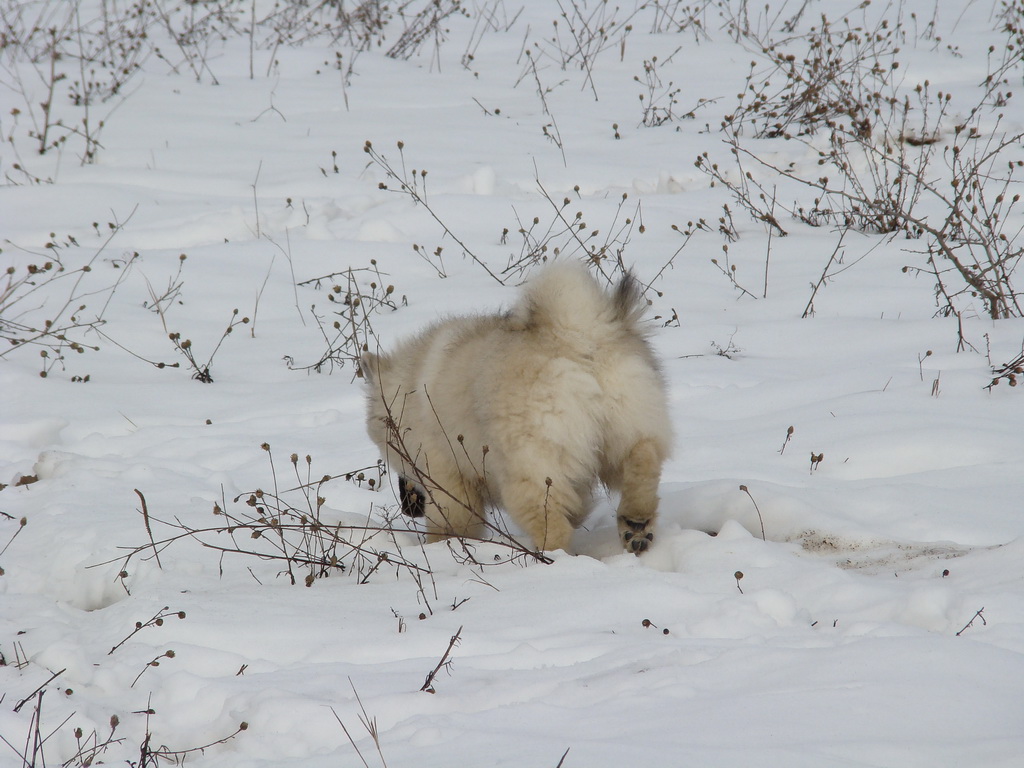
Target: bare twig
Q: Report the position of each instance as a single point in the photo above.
(836, 254)
(428, 684)
(156, 621)
(149, 530)
(39, 691)
(969, 624)
(756, 509)
(417, 194)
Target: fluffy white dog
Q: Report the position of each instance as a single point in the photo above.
(527, 411)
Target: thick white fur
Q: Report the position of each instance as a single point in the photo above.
(528, 411)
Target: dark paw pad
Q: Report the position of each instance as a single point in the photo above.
(637, 544)
(635, 536)
(412, 498)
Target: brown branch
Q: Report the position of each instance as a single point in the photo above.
(149, 530)
(756, 509)
(977, 615)
(428, 684)
(39, 690)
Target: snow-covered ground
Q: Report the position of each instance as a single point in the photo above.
(879, 621)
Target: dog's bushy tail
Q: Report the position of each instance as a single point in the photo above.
(565, 296)
(630, 303)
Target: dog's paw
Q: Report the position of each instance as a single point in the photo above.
(636, 537)
(412, 498)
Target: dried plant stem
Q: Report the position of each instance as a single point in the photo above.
(978, 615)
(149, 530)
(756, 509)
(428, 684)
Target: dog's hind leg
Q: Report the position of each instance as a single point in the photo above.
(641, 471)
(544, 507)
(453, 508)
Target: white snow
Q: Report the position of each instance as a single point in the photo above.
(879, 622)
